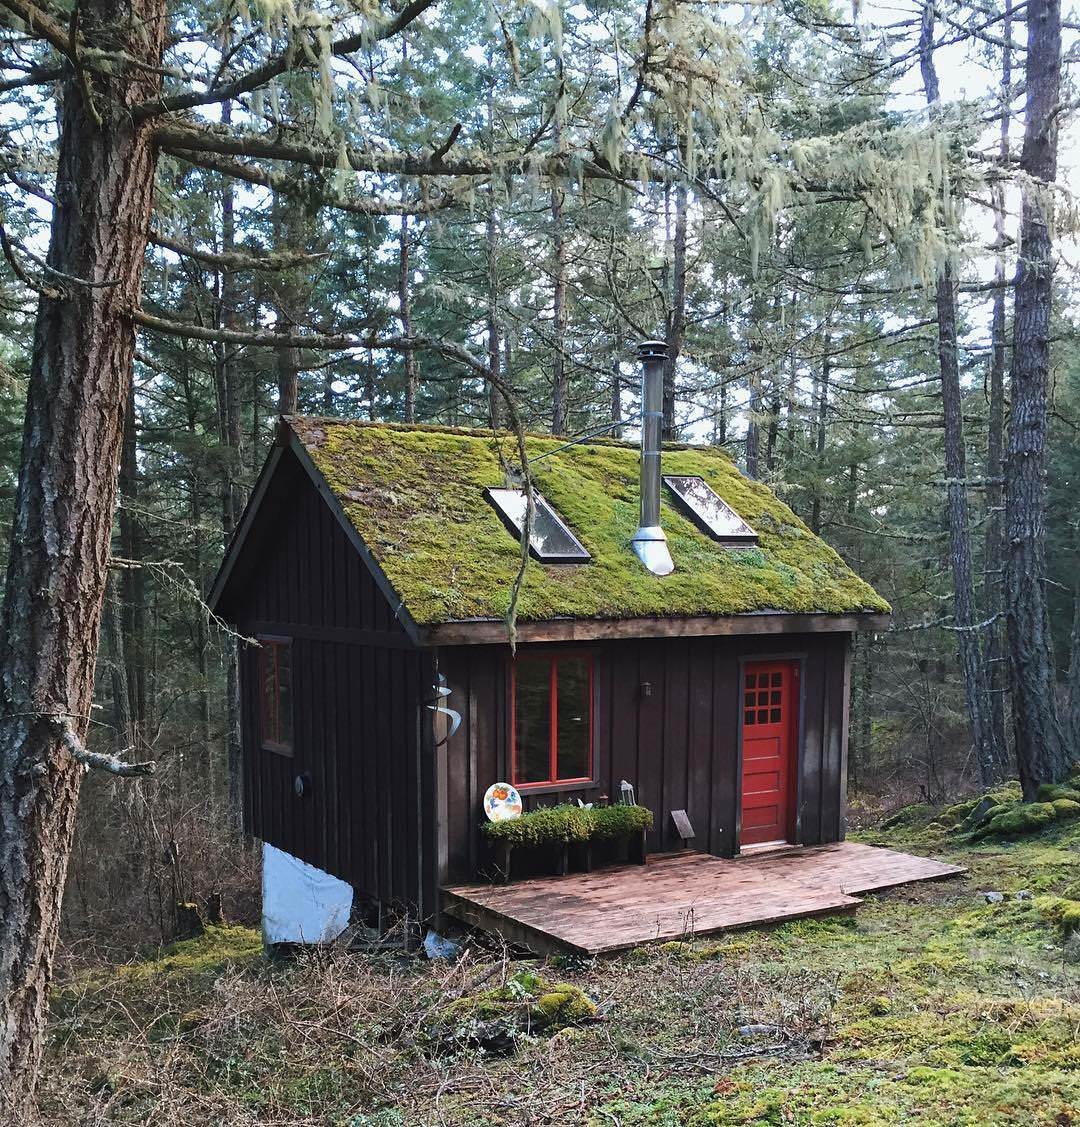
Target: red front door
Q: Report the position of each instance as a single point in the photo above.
(770, 716)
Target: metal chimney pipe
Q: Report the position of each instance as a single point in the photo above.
(649, 542)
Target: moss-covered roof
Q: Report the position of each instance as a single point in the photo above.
(415, 496)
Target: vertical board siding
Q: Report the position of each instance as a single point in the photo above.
(678, 745)
(301, 568)
(360, 725)
(360, 730)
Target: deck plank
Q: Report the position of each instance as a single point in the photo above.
(683, 894)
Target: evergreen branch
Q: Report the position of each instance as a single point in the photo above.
(36, 77)
(191, 331)
(188, 138)
(316, 341)
(278, 181)
(40, 22)
(272, 68)
(235, 261)
(19, 271)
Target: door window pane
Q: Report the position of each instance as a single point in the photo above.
(572, 682)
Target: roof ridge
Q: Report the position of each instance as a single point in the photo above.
(487, 433)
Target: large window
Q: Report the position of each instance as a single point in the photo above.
(275, 694)
(551, 719)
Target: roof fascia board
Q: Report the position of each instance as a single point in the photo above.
(491, 631)
(401, 613)
(247, 521)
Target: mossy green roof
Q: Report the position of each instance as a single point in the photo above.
(416, 497)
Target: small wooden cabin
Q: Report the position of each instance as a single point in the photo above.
(375, 565)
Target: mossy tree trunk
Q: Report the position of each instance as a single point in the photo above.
(1040, 750)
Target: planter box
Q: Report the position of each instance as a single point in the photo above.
(636, 852)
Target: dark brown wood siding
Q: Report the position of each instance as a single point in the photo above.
(361, 744)
(676, 740)
(361, 728)
(299, 567)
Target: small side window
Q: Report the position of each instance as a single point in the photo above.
(275, 694)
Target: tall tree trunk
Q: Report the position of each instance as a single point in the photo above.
(80, 375)
(616, 376)
(757, 363)
(1040, 751)
(1071, 726)
(821, 428)
(291, 298)
(560, 395)
(408, 356)
(133, 579)
(201, 758)
(676, 328)
(956, 508)
(791, 405)
(995, 439)
(491, 247)
(123, 736)
(720, 435)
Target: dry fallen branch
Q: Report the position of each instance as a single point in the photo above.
(99, 761)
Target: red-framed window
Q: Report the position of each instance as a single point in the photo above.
(275, 694)
(551, 708)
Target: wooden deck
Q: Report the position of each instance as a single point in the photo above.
(683, 894)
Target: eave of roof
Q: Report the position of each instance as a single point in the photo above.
(414, 497)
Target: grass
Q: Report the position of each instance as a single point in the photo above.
(931, 1006)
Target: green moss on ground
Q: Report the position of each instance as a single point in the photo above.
(930, 1006)
(415, 495)
(1062, 911)
(1001, 813)
(220, 946)
(525, 1003)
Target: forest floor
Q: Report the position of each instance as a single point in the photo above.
(930, 1006)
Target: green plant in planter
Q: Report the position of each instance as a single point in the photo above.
(611, 822)
(559, 825)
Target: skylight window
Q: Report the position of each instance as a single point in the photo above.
(709, 512)
(550, 541)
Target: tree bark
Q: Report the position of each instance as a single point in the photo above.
(291, 223)
(123, 736)
(408, 356)
(1071, 726)
(560, 395)
(821, 429)
(132, 592)
(994, 545)
(1040, 751)
(491, 246)
(616, 377)
(231, 504)
(757, 361)
(78, 388)
(676, 329)
(969, 642)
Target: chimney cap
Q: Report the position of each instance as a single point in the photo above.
(652, 350)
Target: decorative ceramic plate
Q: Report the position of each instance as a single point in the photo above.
(502, 803)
